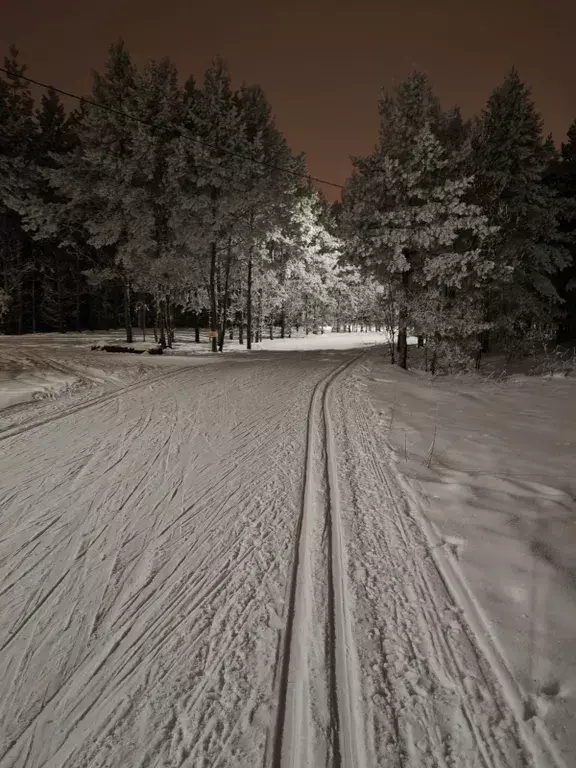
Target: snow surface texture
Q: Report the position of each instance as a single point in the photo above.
(219, 565)
(489, 467)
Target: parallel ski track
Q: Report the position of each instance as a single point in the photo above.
(28, 426)
(346, 749)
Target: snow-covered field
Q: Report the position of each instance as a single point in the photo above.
(242, 560)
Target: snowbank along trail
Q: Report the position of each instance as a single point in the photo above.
(433, 693)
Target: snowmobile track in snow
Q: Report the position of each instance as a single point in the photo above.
(292, 743)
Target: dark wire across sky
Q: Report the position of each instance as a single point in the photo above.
(320, 63)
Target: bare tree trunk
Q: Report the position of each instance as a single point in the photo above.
(241, 329)
(127, 317)
(142, 313)
(402, 347)
(213, 304)
(249, 298)
(225, 297)
(77, 287)
(34, 304)
(403, 325)
(161, 315)
(271, 332)
(260, 318)
(283, 323)
(169, 321)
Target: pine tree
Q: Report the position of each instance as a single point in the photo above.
(511, 158)
(17, 134)
(269, 197)
(59, 282)
(562, 178)
(409, 223)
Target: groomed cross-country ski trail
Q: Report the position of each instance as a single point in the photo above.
(216, 568)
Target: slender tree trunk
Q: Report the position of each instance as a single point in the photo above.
(77, 312)
(34, 303)
(403, 324)
(161, 314)
(77, 287)
(260, 317)
(127, 318)
(271, 332)
(143, 320)
(241, 329)
(19, 292)
(225, 297)
(402, 347)
(213, 303)
(420, 341)
(155, 320)
(169, 321)
(249, 299)
(60, 298)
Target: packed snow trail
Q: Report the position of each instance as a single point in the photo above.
(319, 706)
(215, 568)
(144, 543)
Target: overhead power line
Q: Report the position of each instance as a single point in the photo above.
(148, 123)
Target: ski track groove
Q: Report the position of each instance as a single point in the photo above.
(290, 747)
(180, 589)
(500, 738)
(139, 589)
(424, 602)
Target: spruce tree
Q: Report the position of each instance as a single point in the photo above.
(59, 282)
(511, 158)
(17, 135)
(562, 177)
(410, 225)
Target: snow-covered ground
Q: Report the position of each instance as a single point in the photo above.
(238, 560)
(489, 469)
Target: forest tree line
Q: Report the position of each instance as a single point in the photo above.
(157, 204)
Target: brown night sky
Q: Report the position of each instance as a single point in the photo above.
(320, 63)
